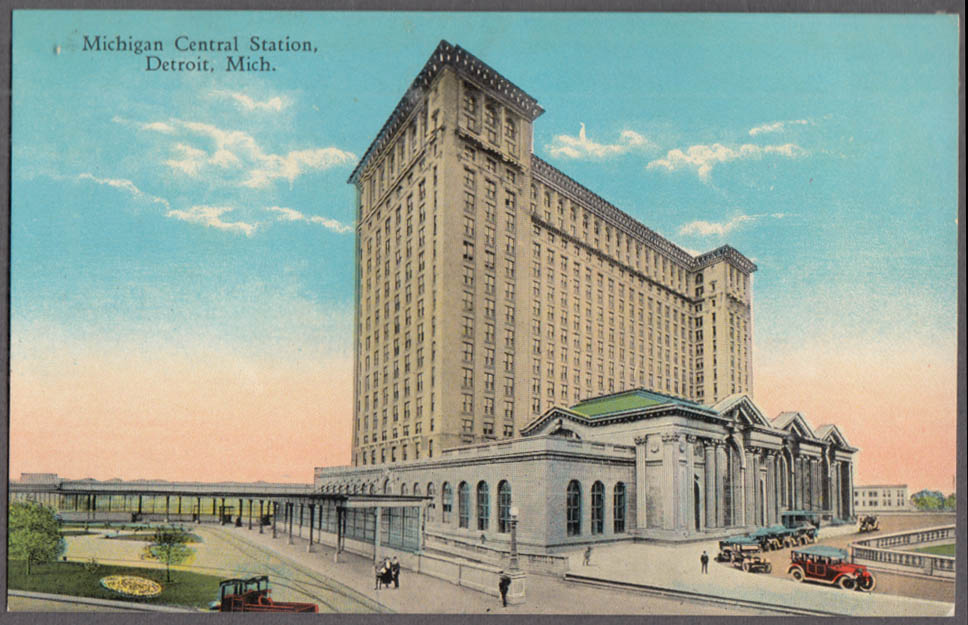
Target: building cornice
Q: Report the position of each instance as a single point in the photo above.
(466, 64)
(548, 173)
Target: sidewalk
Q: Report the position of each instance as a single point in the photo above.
(422, 594)
(677, 567)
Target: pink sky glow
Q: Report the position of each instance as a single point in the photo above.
(218, 416)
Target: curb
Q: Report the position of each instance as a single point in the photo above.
(108, 603)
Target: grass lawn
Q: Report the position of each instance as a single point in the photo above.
(72, 578)
(939, 550)
(75, 532)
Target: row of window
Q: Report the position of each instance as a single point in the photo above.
(573, 508)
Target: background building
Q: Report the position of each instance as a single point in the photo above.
(491, 286)
(881, 498)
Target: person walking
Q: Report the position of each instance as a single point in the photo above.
(587, 560)
(395, 569)
(704, 559)
(502, 586)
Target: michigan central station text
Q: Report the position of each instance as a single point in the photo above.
(198, 63)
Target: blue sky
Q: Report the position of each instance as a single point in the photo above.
(187, 211)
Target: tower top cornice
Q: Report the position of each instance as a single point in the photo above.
(467, 65)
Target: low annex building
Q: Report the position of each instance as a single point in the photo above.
(631, 465)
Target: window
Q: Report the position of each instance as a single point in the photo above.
(573, 511)
(483, 506)
(598, 508)
(464, 504)
(447, 502)
(503, 507)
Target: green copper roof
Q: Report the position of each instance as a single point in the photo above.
(628, 400)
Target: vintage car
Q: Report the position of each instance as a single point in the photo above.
(803, 525)
(743, 552)
(829, 565)
(735, 548)
(868, 523)
(773, 537)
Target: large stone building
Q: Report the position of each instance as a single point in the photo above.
(491, 286)
(632, 465)
(493, 291)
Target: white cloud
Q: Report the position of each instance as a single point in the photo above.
(190, 161)
(719, 229)
(702, 158)
(125, 185)
(212, 216)
(776, 126)
(234, 149)
(248, 103)
(161, 127)
(290, 214)
(581, 146)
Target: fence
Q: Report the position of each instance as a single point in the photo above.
(890, 552)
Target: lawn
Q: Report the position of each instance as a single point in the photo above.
(73, 578)
(939, 550)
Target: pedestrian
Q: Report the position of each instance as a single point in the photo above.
(503, 585)
(588, 556)
(395, 569)
(704, 559)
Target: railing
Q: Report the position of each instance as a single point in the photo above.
(883, 552)
(535, 562)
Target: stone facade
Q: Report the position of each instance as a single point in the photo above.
(491, 286)
(632, 465)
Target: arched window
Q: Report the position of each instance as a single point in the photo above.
(464, 505)
(372, 488)
(598, 508)
(447, 502)
(416, 488)
(386, 486)
(483, 506)
(573, 503)
(618, 503)
(403, 489)
(503, 507)
(433, 504)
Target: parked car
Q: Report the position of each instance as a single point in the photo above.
(829, 565)
(745, 553)
(868, 523)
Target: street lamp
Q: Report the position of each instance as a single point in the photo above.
(513, 564)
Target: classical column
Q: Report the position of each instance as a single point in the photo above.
(687, 492)
(641, 485)
(261, 516)
(771, 494)
(709, 456)
(721, 467)
(749, 486)
(850, 488)
(670, 481)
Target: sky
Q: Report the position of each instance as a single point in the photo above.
(182, 241)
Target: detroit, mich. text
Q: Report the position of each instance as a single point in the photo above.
(185, 53)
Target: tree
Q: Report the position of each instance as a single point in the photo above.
(33, 533)
(169, 545)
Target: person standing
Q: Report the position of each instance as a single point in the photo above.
(704, 559)
(587, 559)
(503, 586)
(395, 569)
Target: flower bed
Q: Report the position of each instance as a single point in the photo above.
(132, 586)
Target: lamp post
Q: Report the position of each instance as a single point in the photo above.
(513, 564)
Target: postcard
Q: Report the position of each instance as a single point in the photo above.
(468, 313)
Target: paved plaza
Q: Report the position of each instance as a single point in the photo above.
(347, 586)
